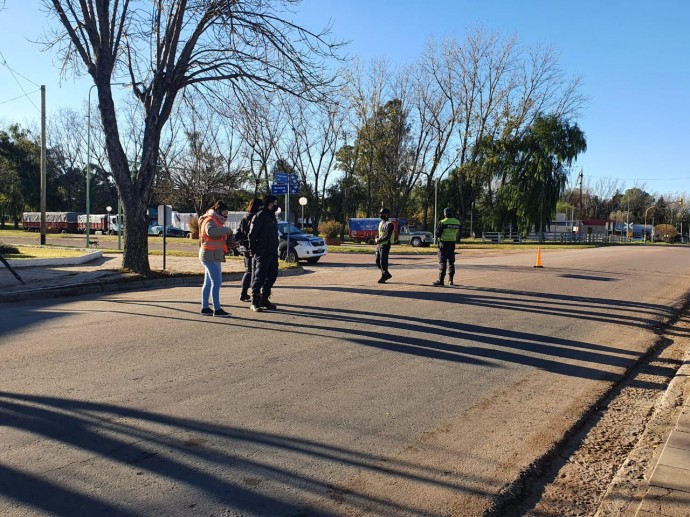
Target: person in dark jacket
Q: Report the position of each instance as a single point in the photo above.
(447, 233)
(263, 247)
(383, 244)
(242, 238)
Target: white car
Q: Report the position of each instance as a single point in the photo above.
(302, 245)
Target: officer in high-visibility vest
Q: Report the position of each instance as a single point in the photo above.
(383, 244)
(447, 233)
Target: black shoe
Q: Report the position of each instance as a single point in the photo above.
(382, 280)
(220, 313)
(438, 283)
(207, 311)
(266, 304)
(451, 283)
(245, 298)
(256, 307)
(387, 276)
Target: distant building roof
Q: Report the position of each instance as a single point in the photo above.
(596, 222)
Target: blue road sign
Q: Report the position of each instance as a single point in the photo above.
(293, 179)
(280, 177)
(279, 190)
(294, 188)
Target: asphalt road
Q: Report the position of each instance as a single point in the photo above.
(353, 399)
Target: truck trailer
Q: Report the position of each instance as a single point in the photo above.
(56, 222)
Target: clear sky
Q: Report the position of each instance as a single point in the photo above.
(633, 56)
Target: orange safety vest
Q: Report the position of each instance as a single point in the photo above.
(207, 242)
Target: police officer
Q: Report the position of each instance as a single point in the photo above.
(242, 238)
(383, 244)
(263, 247)
(447, 233)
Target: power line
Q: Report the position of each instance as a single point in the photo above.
(14, 76)
(19, 97)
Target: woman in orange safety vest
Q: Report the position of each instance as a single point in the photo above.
(213, 247)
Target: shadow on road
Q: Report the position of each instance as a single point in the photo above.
(218, 460)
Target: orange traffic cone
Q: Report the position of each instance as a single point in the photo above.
(538, 264)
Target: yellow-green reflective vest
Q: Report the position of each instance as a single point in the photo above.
(451, 227)
(382, 233)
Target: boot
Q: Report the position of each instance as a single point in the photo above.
(438, 283)
(266, 304)
(450, 281)
(256, 303)
(244, 297)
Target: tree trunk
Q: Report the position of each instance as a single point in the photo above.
(136, 251)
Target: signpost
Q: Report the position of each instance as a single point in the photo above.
(284, 184)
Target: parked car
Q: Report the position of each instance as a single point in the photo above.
(303, 246)
(410, 235)
(171, 231)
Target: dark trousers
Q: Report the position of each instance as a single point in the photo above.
(248, 268)
(446, 258)
(382, 258)
(265, 273)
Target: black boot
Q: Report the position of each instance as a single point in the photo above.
(438, 283)
(266, 304)
(256, 303)
(244, 297)
(450, 281)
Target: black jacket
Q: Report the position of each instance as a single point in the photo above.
(263, 233)
(242, 233)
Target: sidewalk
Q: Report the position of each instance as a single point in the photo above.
(665, 493)
(100, 275)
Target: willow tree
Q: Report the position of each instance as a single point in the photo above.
(161, 47)
(538, 166)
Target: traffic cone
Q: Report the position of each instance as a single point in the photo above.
(538, 264)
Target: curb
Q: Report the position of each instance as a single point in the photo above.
(65, 261)
(126, 282)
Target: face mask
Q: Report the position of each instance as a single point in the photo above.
(274, 209)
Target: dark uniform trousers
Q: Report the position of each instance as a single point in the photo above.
(446, 256)
(382, 257)
(265, 272)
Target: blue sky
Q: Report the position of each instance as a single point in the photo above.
(633, 56)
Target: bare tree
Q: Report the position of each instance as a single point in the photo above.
(174, 45)
(261, 124)
(367, 88)
(316, 134)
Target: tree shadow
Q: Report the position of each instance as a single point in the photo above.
(219, 461)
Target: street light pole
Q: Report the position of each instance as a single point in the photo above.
(88, 170)
(88, 163)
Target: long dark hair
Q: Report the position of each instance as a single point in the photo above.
(220, 206)
(254, 205)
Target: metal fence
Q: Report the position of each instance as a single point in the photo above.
(557, 237)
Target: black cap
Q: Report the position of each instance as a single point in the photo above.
(448, 212)
(384, 211)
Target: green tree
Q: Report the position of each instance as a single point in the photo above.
(532, 170)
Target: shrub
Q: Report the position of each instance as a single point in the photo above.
(8, 249)
(329, 229)
(194, 226)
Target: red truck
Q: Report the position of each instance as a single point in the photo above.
(56, 222)
(367, 229)
(99, 222)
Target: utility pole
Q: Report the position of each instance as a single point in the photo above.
(579, 226)
(43, 165)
